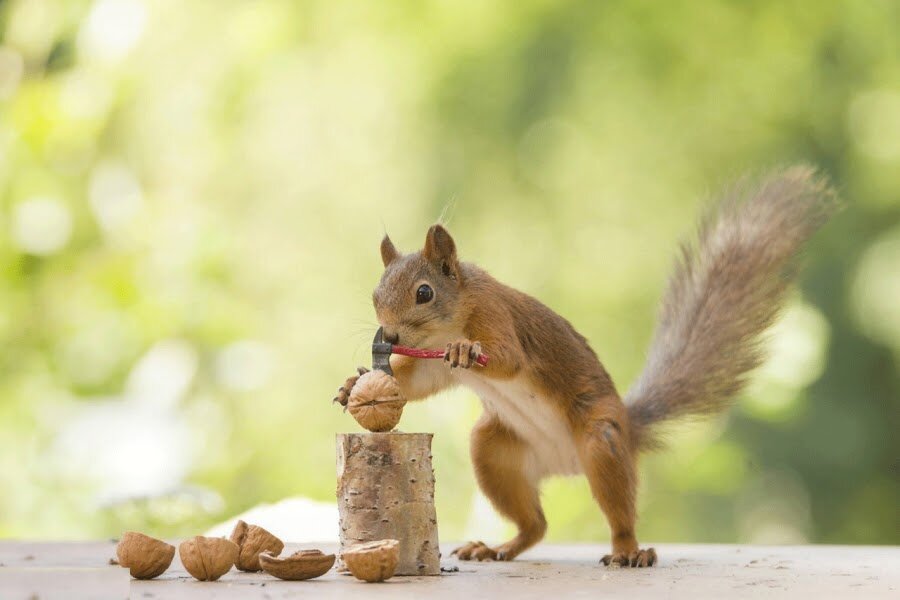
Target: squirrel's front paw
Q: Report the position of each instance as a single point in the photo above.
(343, 395)
(462, 353)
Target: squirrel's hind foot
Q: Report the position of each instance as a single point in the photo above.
(641, 558)
(477, 551)
(480, 551)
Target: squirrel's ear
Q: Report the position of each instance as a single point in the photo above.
(441, 250)
(388, 251)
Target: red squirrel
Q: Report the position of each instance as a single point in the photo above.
(550, 407)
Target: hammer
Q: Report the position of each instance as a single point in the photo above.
(382, 350)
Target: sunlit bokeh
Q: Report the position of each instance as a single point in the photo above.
(192, 199)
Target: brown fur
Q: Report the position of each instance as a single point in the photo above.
(721, 297)
(497, 454)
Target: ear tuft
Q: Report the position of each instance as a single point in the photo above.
(389, 253)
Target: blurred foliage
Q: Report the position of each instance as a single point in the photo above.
(192, 194)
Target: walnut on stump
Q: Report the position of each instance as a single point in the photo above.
(385, 490)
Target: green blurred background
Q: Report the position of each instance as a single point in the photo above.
(192, 199)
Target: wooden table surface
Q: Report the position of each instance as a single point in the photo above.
(71, 570)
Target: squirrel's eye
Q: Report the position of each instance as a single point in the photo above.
(424, 294)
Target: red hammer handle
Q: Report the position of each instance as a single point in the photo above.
(420, 353)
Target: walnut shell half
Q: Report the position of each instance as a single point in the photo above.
(252, 540)
(372, 561)
(145, 557)
(375, 401)
(208, 558)
(304, 564)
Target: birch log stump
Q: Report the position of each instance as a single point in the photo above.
(385, 490)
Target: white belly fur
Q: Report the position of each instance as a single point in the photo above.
(533, 419)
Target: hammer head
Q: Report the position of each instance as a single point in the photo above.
(381, 353)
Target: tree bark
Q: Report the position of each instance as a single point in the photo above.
(385, 490)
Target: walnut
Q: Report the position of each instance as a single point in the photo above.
(375, 401)
(252, 540)
(305, 564)
(208, 558)
(372, 561)
(145, 557)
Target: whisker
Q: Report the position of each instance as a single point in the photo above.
(425, 320)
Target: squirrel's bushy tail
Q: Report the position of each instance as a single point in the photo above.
(725, 291)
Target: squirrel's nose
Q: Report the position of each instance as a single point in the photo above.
(391, 337)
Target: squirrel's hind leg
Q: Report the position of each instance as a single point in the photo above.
(611, 471)
(498, 456)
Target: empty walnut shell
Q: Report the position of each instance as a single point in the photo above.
(145, 557)
(208, 558)
(372, 561)
(252, 540)
(305, 564)
(375, 401)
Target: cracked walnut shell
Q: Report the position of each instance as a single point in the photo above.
(145, 557)
(375, 401)
(304, 564)
(372, 561)
(252, 541)
(208, 558)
